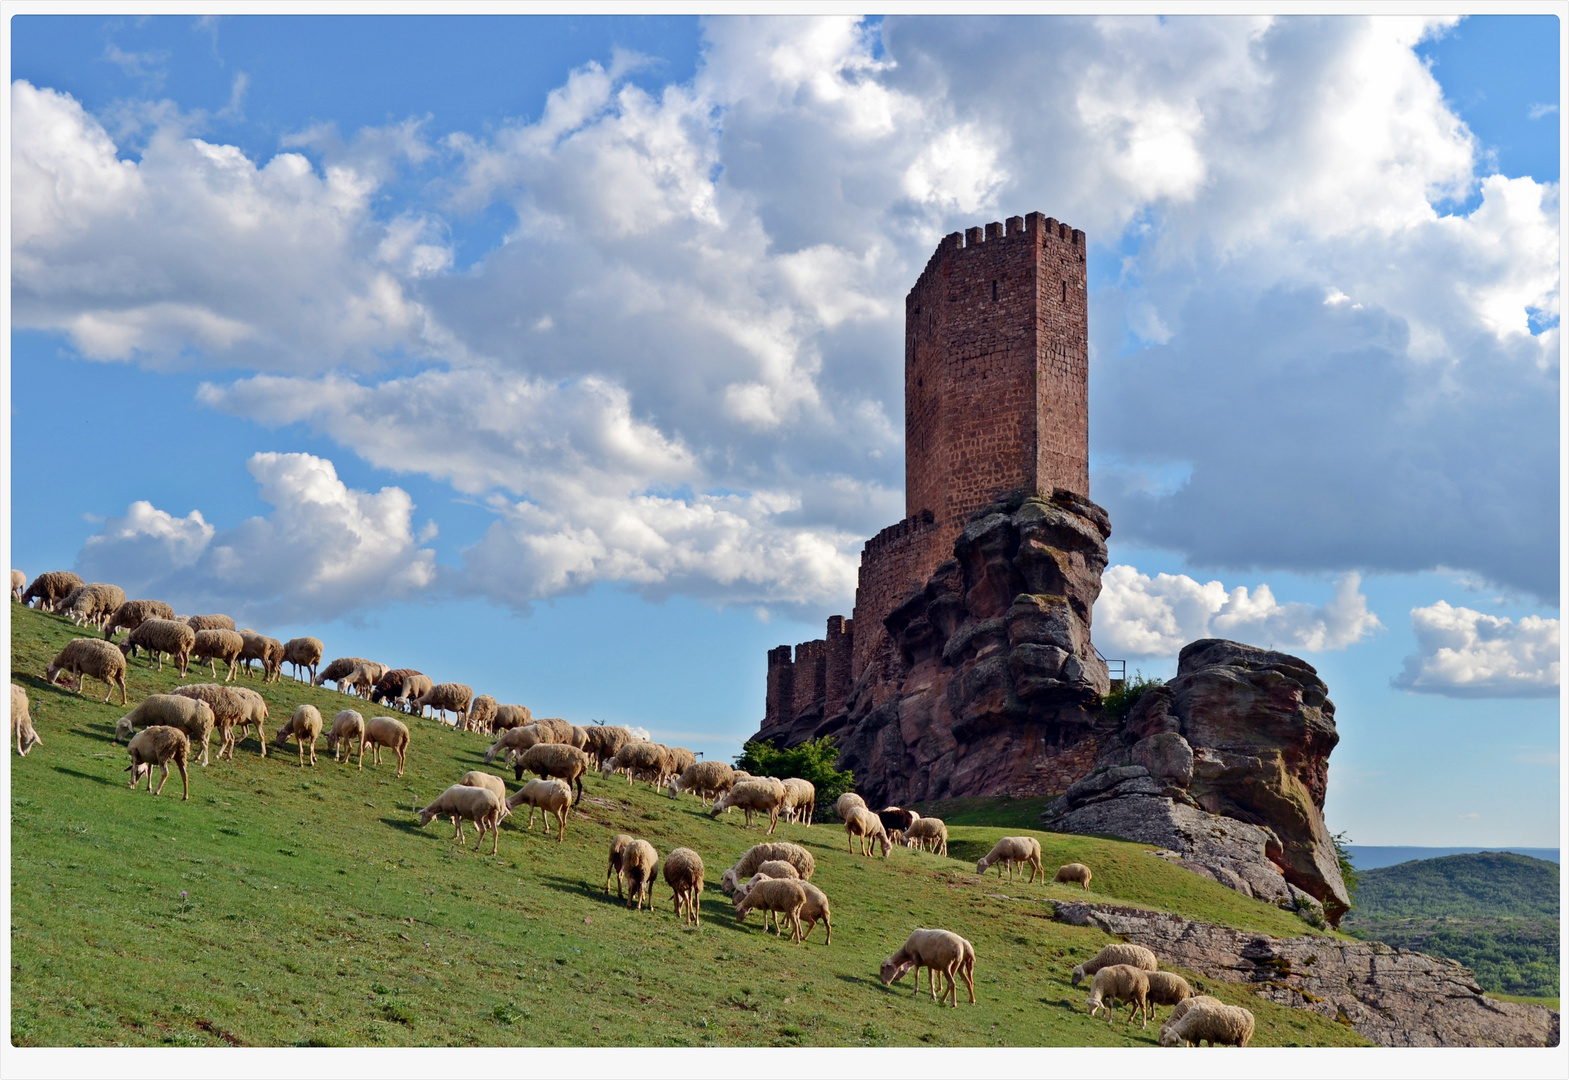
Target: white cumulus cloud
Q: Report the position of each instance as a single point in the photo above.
(1467, 654)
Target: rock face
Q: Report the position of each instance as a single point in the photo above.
(1393, 996)
(1225, 766)
(995, 687)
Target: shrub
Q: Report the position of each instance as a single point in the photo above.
(1121, 700)
(813, 761)
(1348, 870)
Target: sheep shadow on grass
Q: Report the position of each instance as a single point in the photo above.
(409, 825)
(587, 890)
(86, 776)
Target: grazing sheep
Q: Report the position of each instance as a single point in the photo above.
(934, 950)
(82, 657)
(554, 759)
(1186, 1005)
(209, 622)
(215, 645)
(780, 869)
(638, 758)
(816, 908)
(562, 730)
(756, 855)
(1074, 871)
(414, 687)
(362, 680)
(846, 801)
(709, 779)
(304, 724)
(160, 636)
(618, 852)
(510, 716)
(680, 759)
(1218, 1024)
(304, 653)
(385, 731)
(549, 796)
(338, 670)
(268, 650)
(1168, 988)
(159, 745)
(638, 866)
(480, 778)
(865, 824)
(22, 722)
(48, 588)
(604, 740)
(930, 830)
(482, 713)
(774, 895)
(132, 613)
(191, 715)
(91, 603)
(463, 803)
(348, 731)
(800, 800)
(1120, 983)
(389, 687)
(1121, 952)
(894, 818)
(1010, 850)
(447, 697)
(684, 875)
(18, 584)
(514, 741)
(763, 796)
(233, 707)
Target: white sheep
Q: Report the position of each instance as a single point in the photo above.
(756, 855)
(160, 636)
(1121, 952)
(269, 650)
(304, 653)
(930, 830)
(159, 745)
(862, 823)
(510, 716)
(22, 722)
(447, 697)
(348, 731)
(637, 758)
(554, 759)
(215, 645)
(391, 687)
(191, 715)
(618, 850)
(92, 603)
(845, 802)
(800, 800)
(385, 731)
(303, 724)
(1120, 983)
(773, 895)
(639, 864)
(1074, 872)
(1218, 1024)
(89, 656)
(18, 585)
(482, 713)
(492, 782)
(760, 796)
(1188, 1004)
(708, 779)
(234, 709)
(549, 796)
(462, 803)
(209, 622)
(935, 950)
(49, 587)
(1010, 850)
(1168, 988)
(338, 670)
(684, 875)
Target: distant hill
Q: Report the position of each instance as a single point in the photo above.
(1374, 857)
(1495, 912)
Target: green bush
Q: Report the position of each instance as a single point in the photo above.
(813, 760)
(1121, 700)
(1348, 870)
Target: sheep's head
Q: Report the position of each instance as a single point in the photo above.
(138, 769)
(727, 881)
(980, 867)
(886, 843)
(1078, 975)
(426, 816)
(122, 729)
(1168, 1037)
(892, 971)
(283, 733)
(57, 677)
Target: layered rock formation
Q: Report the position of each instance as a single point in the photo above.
(1393, 996)
(993, 686)
(1225, 767)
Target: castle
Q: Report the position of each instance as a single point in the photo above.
(996, 368)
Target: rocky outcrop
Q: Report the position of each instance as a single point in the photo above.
(995, 688)
(1392, 996)
(1226, 766)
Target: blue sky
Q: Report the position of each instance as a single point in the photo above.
(562, 356)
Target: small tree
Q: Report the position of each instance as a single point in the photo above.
(1348, 870)
(1120, 701)
(814, 761)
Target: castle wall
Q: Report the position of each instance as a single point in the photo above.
(895, 561)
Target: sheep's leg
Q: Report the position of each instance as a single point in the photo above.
(313, 750)
(562, 817)
(495, 834)
(162, 782)
(402, 751)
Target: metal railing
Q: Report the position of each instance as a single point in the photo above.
(1116, 669)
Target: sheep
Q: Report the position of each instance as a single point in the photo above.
(514, 741)
(215, 645)
(1187, 1005)
(132, 613)
(549, 796)
(1120, 983)
(385, 731)
(681, 759)
(1010, 850)
(268, 650)
(347, 732)
(638, 867)
(894, 818)
(1119, 953)
(800, 799)
(684, 875)
(446, 697)
(604, 740)
(482, 712)
(1168, 988)
(338, 670)
(756, 855)
(82, 657)
(554, 759)
(233, 708)
(846, 801)
(91, 603)
(159, 745)
(930, 830)
(305, 723)
(763, 796)
(18, 584)
(210, 622)
(390, 687)
(935, 950)
(510, 716)
(774, 895)
(816, 908)
(48, 588)
(191, 715)
(1074, 871)
(639, 757)
(778, 868)
(461, 802)
(709, 779)
(362, 680)
(561, 729)
(160, 636)
(1219, 1024)
(480, 778)
(22, 722)
(863, 823)
(304, 653)
(618, 851)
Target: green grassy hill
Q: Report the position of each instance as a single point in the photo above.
(284, 906)
(1495, 912)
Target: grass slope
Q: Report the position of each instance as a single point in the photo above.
(1495, 912)
(283, 906)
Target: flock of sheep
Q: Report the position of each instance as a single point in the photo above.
(772, 878)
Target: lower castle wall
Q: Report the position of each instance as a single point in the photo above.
(894, 562)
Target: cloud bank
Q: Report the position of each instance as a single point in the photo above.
(1466, 654)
